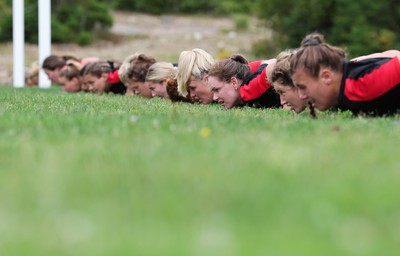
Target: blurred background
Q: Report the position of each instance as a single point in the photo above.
(258, 29)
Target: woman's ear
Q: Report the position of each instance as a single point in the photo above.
(326, 76)
(104, 76)
(235, 83)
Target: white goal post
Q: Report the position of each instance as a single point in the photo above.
(44, 14)
(18, 44)
(44, 39)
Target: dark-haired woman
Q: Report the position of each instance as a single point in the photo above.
(69, 76)
(283, 84)
(133, 73)
(102, 77)
(367, 85)
(236, 82)
(53, 64)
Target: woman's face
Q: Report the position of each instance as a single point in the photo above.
(53, 75)
(96, 84)
(199, 90)
(158, 89)
(320, 91)
(139, 88)
(289, 96)
(84, 84)
(72, 85)
(225, 93)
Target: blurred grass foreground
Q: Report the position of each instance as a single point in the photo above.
(108, 175)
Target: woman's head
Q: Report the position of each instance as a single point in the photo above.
(157, 77)
(95, 76)
(53, 64)
(173, 94)
(133, 73)
(225, 78)
(282, 82)
(315, 69)
(32, 75)
(84, 84)
(191, 77)
(69, 76)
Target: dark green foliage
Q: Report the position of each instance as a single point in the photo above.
(5, 31)
(369, 31)
(72, 21)
(236, 6)
(31, 20)
(166, 6)
(6, 18)
(187, 6)
(361, 27)
(82, 21)
(84, 38)
(77, 17)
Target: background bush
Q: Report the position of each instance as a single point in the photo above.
(71, 21)
(186, 6)
(362, 26)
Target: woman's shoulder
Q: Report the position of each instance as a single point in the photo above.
(385, 54)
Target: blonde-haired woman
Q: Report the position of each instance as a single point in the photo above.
(157, 78)
(193, 67)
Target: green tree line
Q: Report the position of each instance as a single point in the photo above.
(362, 26)
(82, 21)
(77, 21)
(186, 6)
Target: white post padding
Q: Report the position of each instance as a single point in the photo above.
(44, 39)
(18, 44)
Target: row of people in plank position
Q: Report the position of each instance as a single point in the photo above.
(316, 75)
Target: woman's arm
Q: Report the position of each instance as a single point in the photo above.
(386, 54)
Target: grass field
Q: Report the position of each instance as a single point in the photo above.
(83, 174)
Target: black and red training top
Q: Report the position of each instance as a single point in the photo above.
(371, 86)
(114, 83)
(256, 91)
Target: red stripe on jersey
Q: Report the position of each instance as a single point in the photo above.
(254, 65)
(255, 88)
(113, 77)
(374, 84)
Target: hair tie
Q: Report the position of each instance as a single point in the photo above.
(111, 63)
(311, 42)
